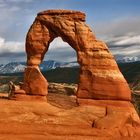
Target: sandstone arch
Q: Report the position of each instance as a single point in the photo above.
(100, 77)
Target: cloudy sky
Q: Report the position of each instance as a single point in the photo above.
(117, 22)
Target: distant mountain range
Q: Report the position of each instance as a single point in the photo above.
(127, 59)
(15, 67)
(12, 67)
(69, 73)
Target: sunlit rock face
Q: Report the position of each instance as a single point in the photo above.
(100, 77)
(35, 83)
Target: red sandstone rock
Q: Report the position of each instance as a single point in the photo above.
(100, 77)
(40, 120)
(34, 82)
(20, 91)
(23, 97)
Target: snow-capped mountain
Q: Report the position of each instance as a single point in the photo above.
(15, 67)
(50, 64)
(12, 67)
(127, 59)
(70, 64)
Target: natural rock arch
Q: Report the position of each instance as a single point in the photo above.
(100, 77)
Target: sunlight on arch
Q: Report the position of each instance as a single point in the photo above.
(60, 51)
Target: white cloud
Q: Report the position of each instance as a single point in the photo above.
(14, 46)
(128, 45)
(15, 19)
(58, 43)
(15, 51)
(11, 46)
(127, 40)
(1, 41)
(120, 26)
(60, 51)
(129, 51)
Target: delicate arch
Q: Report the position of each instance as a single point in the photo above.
(100, 77)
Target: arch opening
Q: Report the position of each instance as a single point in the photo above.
(60, 56)
(60, 51)
(61, 70)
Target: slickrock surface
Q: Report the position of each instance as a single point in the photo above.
(20, 120)
(100, 77)
(62, 118)
(136, 100)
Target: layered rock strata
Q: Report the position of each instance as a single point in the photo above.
(100, 77)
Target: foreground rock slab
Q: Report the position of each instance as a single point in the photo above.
(39, 120)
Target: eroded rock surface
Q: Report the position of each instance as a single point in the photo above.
(100, 77)
(136, 100)
(102, 120)
(35, 84)
(102, 108)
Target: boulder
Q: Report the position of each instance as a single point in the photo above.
(34, 82)
(62, 88)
